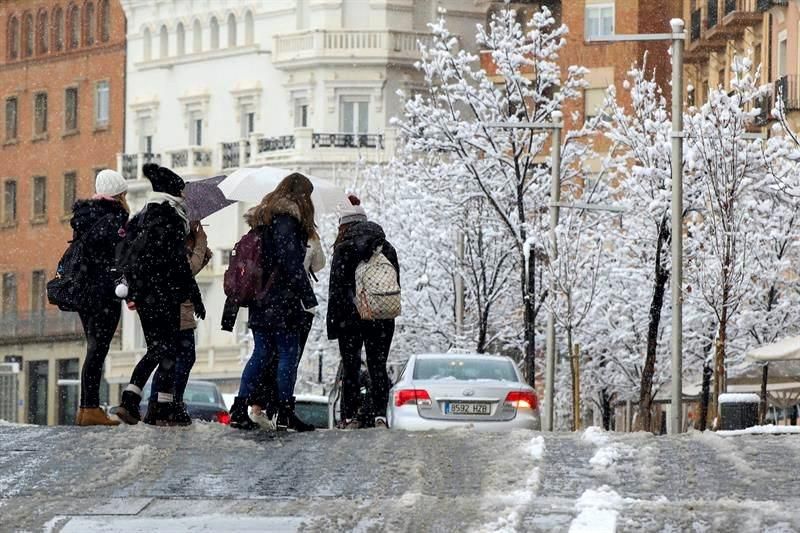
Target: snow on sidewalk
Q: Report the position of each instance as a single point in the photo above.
(597, 511)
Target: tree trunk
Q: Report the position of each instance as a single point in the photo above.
(530, 319)
(605, 407)
(656, 304)
(704, 396)
(762, 405)
(719, 354)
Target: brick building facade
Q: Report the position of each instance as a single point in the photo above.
(62, 85)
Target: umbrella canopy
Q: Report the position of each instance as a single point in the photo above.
(783, 350)
(203, 197)
(252, 184)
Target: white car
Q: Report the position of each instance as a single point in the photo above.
(441, 391)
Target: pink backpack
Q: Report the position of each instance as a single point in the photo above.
(244, 279)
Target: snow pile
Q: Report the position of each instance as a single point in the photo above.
(536, 448)
(607, 454)
(732, 397)
(760, 430)
(595, 435)
(597, 511)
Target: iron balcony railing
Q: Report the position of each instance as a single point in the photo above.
(39, 325)
(745, 6)
(132, 163)
(787, 88)
(273, 144)
(346, 140)
(230, 154)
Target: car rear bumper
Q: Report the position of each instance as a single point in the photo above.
(414, 422)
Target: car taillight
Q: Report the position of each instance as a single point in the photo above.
(223, 417)
(412, 396)
(521, 399)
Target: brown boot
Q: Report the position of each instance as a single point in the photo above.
(94, 416)
(79, 417)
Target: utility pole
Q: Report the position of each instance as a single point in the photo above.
(678, 37)
(459, 282)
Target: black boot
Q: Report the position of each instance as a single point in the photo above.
(287, 419)
(180, 416)
(160, 414)
(150, 417)
(128, 410)
(239, 417)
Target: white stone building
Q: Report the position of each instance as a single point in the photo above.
(212, 85)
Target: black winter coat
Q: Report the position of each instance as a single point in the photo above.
(358, 244)
(101, 223)
(289, 291)
(162, 274)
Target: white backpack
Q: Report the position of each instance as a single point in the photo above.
(377, 289)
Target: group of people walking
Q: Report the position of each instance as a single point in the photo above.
(150, 262)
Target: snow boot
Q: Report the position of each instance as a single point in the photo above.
(287, 419)
(128, 410)
(160, 414)
(263, 419)
(180, 416)
(94, 416)
(239, 416)
(150, 415)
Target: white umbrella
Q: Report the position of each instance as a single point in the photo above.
(252, 184)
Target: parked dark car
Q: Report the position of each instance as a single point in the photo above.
(203, 402)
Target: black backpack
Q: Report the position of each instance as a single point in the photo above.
(68, 290)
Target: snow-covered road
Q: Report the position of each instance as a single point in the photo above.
(212, 478)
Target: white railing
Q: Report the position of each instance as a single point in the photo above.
(332, 44)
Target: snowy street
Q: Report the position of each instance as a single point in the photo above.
(212, 478)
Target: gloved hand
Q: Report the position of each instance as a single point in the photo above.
(199, 310)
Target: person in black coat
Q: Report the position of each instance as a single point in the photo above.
(357, 241)
(159, 280)
(286, 220)
(100, 222)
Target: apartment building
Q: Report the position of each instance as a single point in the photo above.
(62, 87)
(215, 85)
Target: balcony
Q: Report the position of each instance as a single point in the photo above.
(787, 88)
(741, 13)
(44, 326)
(766, 5)
(304, 48)
(306, 146)
(695, 25)
(130, 165)
(194, 160)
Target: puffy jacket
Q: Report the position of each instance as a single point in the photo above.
(289, 290)
(357, 245)
(162, 273)
(101, 223)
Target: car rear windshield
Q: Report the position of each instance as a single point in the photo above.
(200, 394)
(464, 369)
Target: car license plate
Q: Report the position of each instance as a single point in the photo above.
(464, 408)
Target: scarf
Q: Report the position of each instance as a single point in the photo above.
(179, 204)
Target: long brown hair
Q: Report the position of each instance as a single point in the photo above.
(294, 188)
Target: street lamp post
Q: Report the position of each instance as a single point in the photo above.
(678, 38)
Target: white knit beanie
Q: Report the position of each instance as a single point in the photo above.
(110, 183)
(353, 212)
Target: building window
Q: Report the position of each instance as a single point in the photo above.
(40, 114)
(197, 37)
(145, 131)
(180, 34)
(249, 28)
(225, 257)
(721, 77)
(105, 20)
(74, 27)
(782, 56)
(301, 114)
(37, 392)
(354, 115)
(70, 191)
(10, 202)
(39, 198)
(599, 20)
(71, 109)
(593, 103)
(101, 103)
(58, 29)
(27, 31)
(231, 31)
(196, 129)
(163, 40)
(248, 121)
(11, 118)
(68, 390)
(13, 38)
(38, 281)
(147, 44)
(214, 33)
(89, 22)
(9, 293)
(41, 33)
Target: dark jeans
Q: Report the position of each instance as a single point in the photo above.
(268, 345)
(99, 326)
(268, 387)
(376, 338)
(184, 361)
(161, 326)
